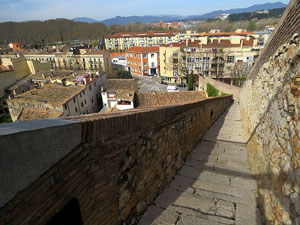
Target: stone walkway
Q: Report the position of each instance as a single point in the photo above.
(215, 186)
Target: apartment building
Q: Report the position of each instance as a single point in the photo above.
(84, 60)
(87, 60)
(213, 55)
(123, 41)
(143, 60)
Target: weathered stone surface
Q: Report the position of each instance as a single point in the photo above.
(271, 116)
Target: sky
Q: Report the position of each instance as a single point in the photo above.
(23, 10)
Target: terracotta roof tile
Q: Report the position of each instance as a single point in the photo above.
(143, 49)
(37, 113)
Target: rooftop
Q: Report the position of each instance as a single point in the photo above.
(50, 94)
(37, 113)
(143, 34)
(143, 49)
(123, 88)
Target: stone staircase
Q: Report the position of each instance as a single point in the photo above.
(215, 186)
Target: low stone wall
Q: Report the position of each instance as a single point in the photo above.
(222, 87)
(167, 98)
(120, 162)
(271, 112)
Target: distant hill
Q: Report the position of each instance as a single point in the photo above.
(85, 19)
(120, 20)
(253, 8)
(274, 13)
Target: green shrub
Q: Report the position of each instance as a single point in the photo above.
(211, 91)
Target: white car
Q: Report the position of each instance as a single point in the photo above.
(172, 89)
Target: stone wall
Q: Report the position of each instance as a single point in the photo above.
(120, 162)
(151, 99)
(271, 112)
(222, 87)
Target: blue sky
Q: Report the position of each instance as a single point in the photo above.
(20, 10)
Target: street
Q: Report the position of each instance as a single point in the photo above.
(149, 84)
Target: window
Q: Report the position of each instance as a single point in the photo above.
(152, 64)
(74, 100)
(66, 107)
(90, 87)
(95, 84)
(130, 55)
(84, 101)
(152, 55)
(92, 100)
(135, 63)
(230, 59)
(198, 60)
(145, 71)
(139, 64)
(145, 55)
(136, 70)
(139, 56)
(83, 92)
(76, 110)
(81, 104)
(145, 64)
(134, 55)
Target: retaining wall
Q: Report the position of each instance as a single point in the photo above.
(113, 165)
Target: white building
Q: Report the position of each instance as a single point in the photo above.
(119, 94)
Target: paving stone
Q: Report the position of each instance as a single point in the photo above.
(186, 211)
(158, 216)
(194, 220)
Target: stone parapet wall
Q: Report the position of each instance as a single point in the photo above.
(121, 162)
(270, 107)
(167, 98)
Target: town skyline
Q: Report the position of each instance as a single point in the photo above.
(26, 10)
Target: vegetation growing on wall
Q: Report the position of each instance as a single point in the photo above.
(211, 91)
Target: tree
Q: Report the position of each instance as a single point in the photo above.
(191, 82)
(251, 26)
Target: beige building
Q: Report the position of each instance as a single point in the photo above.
(123, 41)
(58, 97)
(87, 60)
(214, 55)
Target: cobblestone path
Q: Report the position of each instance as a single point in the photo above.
(215, 186)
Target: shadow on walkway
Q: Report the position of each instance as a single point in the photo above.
(215, 185)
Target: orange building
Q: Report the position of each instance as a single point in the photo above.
(143, 60)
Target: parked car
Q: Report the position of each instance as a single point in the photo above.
(183, 85)
(172, 89)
